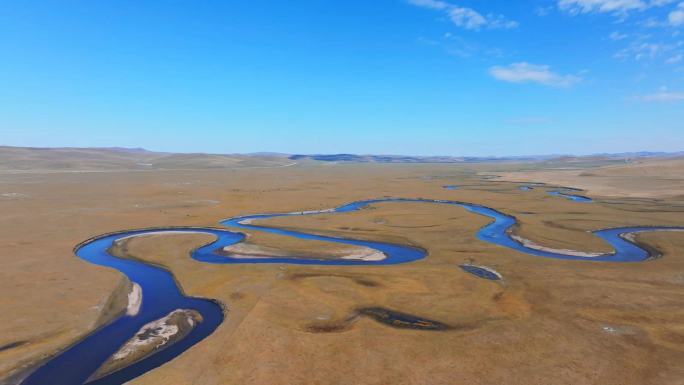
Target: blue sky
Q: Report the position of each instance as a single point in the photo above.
(422, 77)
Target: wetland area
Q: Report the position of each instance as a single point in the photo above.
(479, 264)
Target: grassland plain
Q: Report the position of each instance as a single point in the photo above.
(645, 178)
(548, 322)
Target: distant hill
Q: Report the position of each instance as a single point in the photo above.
(470, 159)
(117, 158)
(413, 159)
(100, 159)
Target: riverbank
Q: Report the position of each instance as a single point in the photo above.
(535, 246)
(115, 305)
(547, 305)
(354, 253)
(150, 339)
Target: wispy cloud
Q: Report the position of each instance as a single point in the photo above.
(616, 36)
(662, 95)
(618, 7)
(543, 11)
(641, 47)
(432, 4)
(603, 6)
(465, 17)
(640, 50)
(676, 17)
(660, 3)
(463, 48)
(674, 59)
(532, 73)
(636, 43)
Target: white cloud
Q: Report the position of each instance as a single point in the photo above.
(467, 18)
(663, 95)
(620, 7)
(615, 36)
(532, 73)
(640, 51)
(643, 47)
(604, 6)
(464, 48)
(676, 17)
(432, 4)
(674, 59)
(660, 3)
(500, 22)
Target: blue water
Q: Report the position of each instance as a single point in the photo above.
(572, 197)
(161, 295)
(450, 187)
(480, 272)
(525, 188)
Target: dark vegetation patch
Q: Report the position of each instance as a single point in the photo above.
(334, 327)
(401, 320)
(149, 333)
(385, 316)
(355, 229)
(363, 281)
(12, 345)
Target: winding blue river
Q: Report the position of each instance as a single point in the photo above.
(161, 295)
(572, 197)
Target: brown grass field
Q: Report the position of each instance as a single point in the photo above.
(550, 322)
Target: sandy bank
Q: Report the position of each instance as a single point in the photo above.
(152, 337)
(251, 251)
(161, 232)
(530, 244)
(134, 300)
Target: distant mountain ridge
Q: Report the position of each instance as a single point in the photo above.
(116, 158)
(474, 159)
(121, 158)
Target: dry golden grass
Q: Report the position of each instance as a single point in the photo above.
(652, 178)
(550, 322)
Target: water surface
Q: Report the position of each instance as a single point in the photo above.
(572, 197)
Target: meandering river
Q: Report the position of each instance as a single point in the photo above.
(161, 294)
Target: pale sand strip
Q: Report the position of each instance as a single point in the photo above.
(530, 244)
(134, 300)
(250, 251)
(369, 255)
(160, 232)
